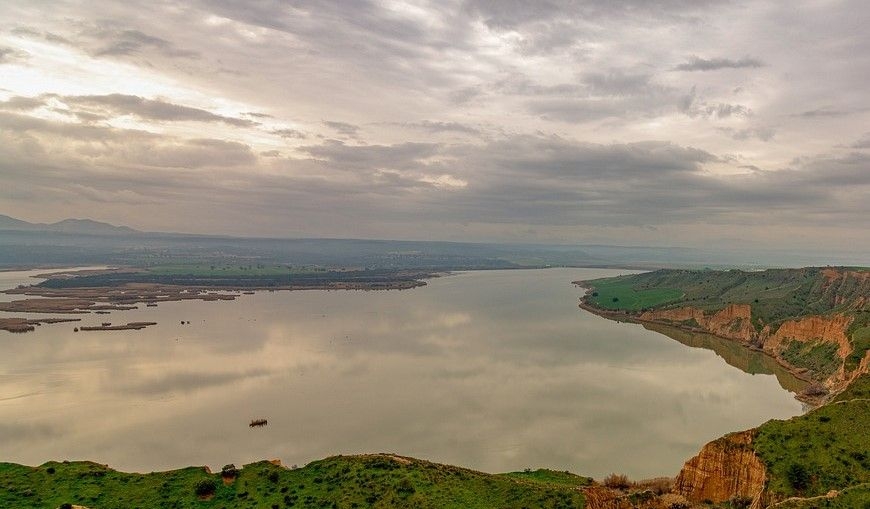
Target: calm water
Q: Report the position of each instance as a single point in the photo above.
(494, 370)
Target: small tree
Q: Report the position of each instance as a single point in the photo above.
(798, 476)
(205, 488)
(229, 471)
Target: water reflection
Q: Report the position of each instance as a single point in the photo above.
(495, 370)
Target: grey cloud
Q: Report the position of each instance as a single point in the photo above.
(826, 112)
(127, 147)
(33, 33)
(19, 103)
(290, 134)
(513, 14)
(126, 42)
(18, 123)
(371, 157)
(104, 106)
(9, 55)
(761, 133)
(696, 63)
(692, 106)
(342, 128)
(195, 153)
(864, 142)
(151, 109)
(440, 127)
(463, 95)
(618, 83)
(518, 84)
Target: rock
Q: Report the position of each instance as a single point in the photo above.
(725, 468)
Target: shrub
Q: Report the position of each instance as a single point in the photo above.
(739, 502)
(205, 488)
(229, 471)
(617, 481)
(798, 476)
(405, 487)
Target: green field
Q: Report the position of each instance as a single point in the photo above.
(622, 293)
(229, 270)
(775, 295)
(373, 481)
(856, 497)
(826, 449)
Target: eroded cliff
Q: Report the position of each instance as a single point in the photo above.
(724, 469)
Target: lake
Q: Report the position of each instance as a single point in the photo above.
(492, 370)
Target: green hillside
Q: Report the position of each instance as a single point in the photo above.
(370, 481)
(775, 294)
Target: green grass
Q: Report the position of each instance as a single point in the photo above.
(859, 389)
(856, 497)
(373, 481)
(860, 344)
(621, 293)
(775, 295)
(550, 478)
(831, 444)
(821, 359)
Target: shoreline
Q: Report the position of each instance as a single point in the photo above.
(624, 316)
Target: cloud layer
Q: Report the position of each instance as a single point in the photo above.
(468, 120)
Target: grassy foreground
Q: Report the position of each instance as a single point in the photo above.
(827, 449)
(370, 481)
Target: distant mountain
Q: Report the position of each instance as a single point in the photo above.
(85, 226)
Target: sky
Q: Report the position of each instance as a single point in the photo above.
(700, 123)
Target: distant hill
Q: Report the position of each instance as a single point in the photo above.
(66, 226)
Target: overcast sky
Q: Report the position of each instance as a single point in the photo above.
(680, 122)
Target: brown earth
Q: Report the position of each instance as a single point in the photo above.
(26, 325)
(724, 468)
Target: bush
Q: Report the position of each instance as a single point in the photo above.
(739, 502)
(405, 487)
(230, 471)
(205, 488)
(798, 476)
(617, 481)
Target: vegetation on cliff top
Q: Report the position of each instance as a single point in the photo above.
(339, 482)
(775, 294)
(809, 455)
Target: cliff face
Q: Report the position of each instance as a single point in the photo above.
(732, 322)
(827, 329)
(724, 468)
(735, 322)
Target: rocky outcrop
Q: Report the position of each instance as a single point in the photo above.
(724, 469)
(824, 329)
(734, 322)
(601, 497)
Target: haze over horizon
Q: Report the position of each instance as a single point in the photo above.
(685, 123)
